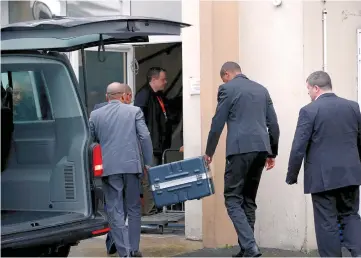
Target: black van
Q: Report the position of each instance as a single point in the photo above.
(49, 200)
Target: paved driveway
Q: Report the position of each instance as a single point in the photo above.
(152, 245)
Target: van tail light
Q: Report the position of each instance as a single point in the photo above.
(97, 161)
(101, 231)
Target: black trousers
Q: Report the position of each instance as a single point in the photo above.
(241, 180)
(328, 206)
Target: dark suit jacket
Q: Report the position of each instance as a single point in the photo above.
(247, 108)
(96, 106)
(328, 135)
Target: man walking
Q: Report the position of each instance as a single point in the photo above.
(247, 108)
(124, 138)
(328, 136)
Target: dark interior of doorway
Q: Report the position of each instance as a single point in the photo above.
(95, 74)
(169, 57)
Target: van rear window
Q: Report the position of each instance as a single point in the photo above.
(30, 98)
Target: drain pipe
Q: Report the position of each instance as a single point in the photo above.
(324, 39)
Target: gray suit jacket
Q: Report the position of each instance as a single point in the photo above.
(328, 136)
(123, 136)
(252, 126)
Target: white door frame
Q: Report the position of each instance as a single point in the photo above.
(127, 49)
(359, 79)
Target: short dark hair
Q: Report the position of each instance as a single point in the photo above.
(154, 72)
(229, 66)
(321, 79)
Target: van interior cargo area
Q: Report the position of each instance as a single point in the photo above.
(44, 181)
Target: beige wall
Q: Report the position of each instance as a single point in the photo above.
(278, 47)
(218, 43)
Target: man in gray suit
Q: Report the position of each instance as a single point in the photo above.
(247, 108)
(328, 137)
(125, 142)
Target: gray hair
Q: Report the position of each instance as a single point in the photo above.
(320, 79)
(229, 67)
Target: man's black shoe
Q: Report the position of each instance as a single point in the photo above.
(252, 252)
(136, 254)
(239, 254)
(112, 249)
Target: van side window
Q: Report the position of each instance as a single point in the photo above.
(30, 98)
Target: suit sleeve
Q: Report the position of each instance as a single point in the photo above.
(218, 121)
(144, 138)
(300, 142)
(273, 127)
(92, 128)
(358, 115)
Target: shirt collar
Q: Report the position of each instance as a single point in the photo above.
(115, 101)
(324, 94)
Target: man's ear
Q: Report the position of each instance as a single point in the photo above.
(106, 97)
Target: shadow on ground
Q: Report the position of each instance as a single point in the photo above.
(266, 252)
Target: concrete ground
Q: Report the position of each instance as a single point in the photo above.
(173, 244)
(152, 245)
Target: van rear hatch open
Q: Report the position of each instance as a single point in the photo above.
(47, 179)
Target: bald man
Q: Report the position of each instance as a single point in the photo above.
(126, 149)
(252, 143)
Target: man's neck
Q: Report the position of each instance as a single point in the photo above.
(153, 87)
(323, 93)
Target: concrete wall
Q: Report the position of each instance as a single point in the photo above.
(271, 52)
(170, 9)
(191, 108)
(278, 47)
(287, 43)
(219, 42)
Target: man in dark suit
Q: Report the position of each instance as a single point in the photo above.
(328, 136)
(247, 108)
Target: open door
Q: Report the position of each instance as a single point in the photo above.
(67, 34)
(116, 66)
(70, 34)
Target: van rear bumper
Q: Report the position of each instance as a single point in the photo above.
(68, 234)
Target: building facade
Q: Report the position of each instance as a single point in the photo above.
(277, 45)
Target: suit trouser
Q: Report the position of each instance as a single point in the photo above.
(241, 180)
(119, 191)
(328, 206)
(109, 242)
(149, 205)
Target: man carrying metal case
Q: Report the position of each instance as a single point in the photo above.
(252, 141)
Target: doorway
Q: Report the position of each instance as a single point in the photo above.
(102, 68)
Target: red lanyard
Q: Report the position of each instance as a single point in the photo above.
(161, 103)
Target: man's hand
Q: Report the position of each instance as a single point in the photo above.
(270, 163)
(146, 168)
(208, 159)
(181, 149)
(291, 181)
